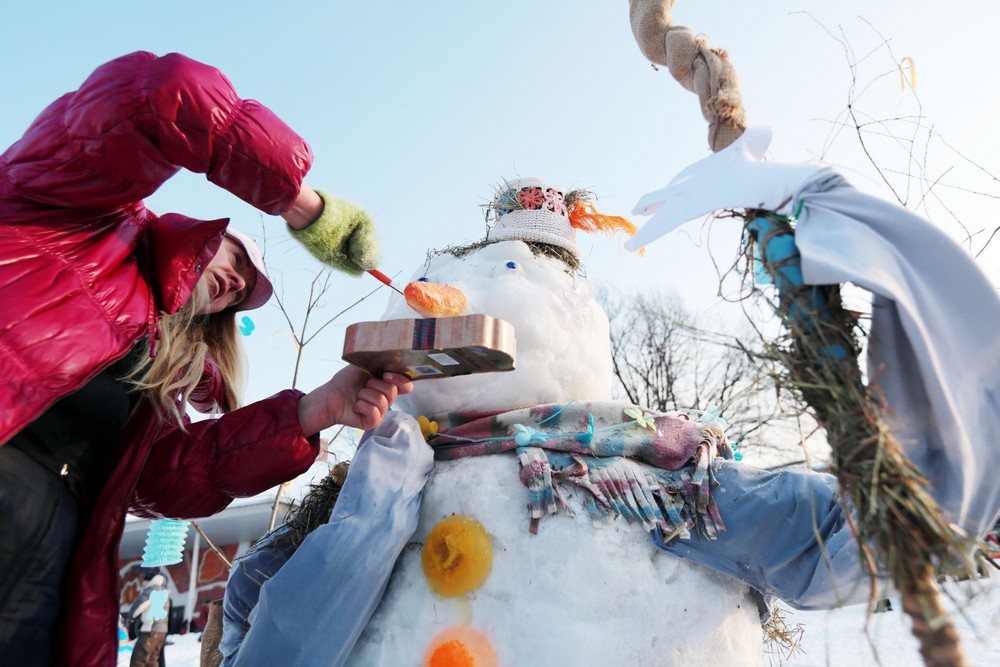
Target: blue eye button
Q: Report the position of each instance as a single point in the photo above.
(422, 280)
(511, 265)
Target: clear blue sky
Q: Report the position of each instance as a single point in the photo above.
(415, 108)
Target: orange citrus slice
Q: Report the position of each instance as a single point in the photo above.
(460, 646)
(457, 556)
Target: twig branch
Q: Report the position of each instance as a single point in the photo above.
(211, 545)
(274, 507)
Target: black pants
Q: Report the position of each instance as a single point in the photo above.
(38, 518)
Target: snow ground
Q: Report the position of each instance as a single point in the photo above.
(831, 637)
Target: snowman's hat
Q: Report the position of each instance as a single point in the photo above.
(531, 209)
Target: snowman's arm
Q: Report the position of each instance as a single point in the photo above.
(785, 535)
(249, 572)
(319, 602)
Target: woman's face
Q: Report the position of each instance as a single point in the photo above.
(229, 277)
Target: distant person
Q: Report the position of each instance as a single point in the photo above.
(114, 319)
(152, 608)
(124, 641)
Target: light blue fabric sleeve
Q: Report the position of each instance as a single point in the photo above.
(248, 574)
(785, 535)
(933, 353)
(315, 607)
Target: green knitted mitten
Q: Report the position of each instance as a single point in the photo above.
(343, 237)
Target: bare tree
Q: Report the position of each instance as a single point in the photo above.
(319, 288)
(919, 167)
(664, 360)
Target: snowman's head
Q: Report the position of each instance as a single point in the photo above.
(563, 350)
(524, 272)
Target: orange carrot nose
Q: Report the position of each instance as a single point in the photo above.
(435, 300)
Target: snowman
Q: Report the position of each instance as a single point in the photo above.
(532, 545)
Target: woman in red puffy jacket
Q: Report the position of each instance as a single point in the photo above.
(112, 318)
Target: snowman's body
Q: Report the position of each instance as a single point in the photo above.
(583, 590)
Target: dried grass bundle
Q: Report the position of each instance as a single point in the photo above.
(781, 641)
(536, 247)
(901, 531)
(317, 506)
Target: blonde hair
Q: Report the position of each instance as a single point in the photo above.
(186, 339)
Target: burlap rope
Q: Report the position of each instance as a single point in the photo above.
(698, 67)
(211, 636)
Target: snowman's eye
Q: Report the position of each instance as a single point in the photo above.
(422, 279)
(511, 265)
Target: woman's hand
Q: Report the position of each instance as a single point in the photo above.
(352, 398)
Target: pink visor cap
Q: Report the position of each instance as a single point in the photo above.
(262, 289)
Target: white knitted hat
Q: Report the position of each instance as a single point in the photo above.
(530, 209)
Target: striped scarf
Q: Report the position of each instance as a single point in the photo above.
(651, 468)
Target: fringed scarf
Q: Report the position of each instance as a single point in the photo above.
(601, 447)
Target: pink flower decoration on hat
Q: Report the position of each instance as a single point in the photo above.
(531, 198)
(554, 201)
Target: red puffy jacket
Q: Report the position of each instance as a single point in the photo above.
(85, 271)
